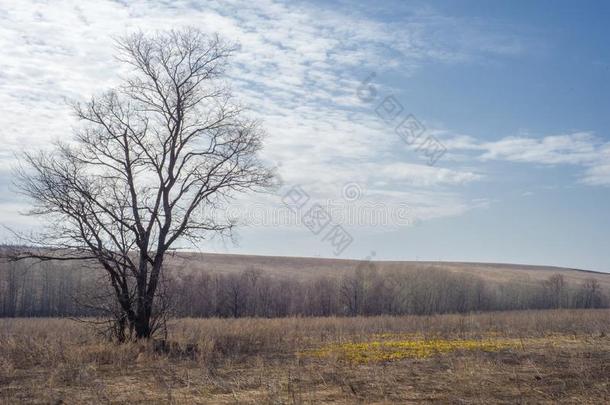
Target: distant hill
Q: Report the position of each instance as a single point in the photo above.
(305, 267)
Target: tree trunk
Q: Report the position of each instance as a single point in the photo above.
(142, 321)
(142, 326)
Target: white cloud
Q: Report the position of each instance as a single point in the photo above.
(426, 176)
(580, 149)
(298, 68)
(598, 173)
(577, 148)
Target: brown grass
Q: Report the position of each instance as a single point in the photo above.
(553, 356)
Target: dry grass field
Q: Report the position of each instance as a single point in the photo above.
(509, 357)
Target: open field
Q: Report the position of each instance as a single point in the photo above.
(508, 357)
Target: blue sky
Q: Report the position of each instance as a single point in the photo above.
(516, 92)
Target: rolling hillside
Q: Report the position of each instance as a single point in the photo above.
(304, 267)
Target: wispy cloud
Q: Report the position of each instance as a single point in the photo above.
(424, 175)
(579, 149)
(598, 172)
(298, 67)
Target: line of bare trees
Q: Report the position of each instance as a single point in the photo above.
(62, 289)
(366, 291)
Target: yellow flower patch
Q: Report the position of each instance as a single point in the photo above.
(392, 350)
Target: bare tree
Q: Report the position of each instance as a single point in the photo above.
(557, 290)
(590, 294)
(152, 160)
